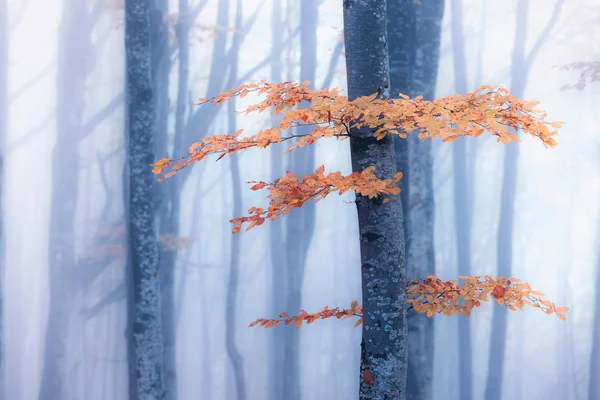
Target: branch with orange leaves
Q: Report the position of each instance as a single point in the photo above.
(290, 192)
(489, 108)
(431, 295)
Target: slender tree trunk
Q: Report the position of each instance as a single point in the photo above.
(279, 278)
(145, 330)
(594, 377)
(3, 139)
(235, 357)
(167, 197)
(384, 342)
(301, 223)
(462, 206)
(504, 250)
(72, 72)
(414, 32)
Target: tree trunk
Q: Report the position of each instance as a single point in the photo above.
(72, 72)
(3, 140)
(300, 224)
(594, 378)
(145, 325)
(279, 279)
(462, 206)
(235, 357)
(384, 342)
(504, 250)
(167, 197)
(414, 32)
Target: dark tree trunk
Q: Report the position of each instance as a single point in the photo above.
(145, 325)
(462, 197)
(3, 140)
(73, 68)
(384, 334)
(300, 224)
(278, 282)
(414, 32)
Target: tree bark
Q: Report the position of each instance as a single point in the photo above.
(145, 329)
(384, 342)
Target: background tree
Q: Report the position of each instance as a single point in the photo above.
(414, 32)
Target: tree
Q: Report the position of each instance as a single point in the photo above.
(463, 199)
(145, 324)
(74, 50)
(370, 121)
(520, 65)
(414, 35)
(3, 135)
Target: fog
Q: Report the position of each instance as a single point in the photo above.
(64, 291)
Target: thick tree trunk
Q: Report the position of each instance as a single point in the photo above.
(3, 139)
(72, 72)
(384, 342)
(300, 224)
(414, 32)
(145, 330)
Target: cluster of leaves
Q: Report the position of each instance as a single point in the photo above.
(431, 295)
(290, 192)
(590, 73)
(330, 114)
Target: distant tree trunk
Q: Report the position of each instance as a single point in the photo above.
(414, 32)
(145, 325)
(594, 378)
(278, 282)
(235, 357)
(504, 250)
(167, 197)
(301, 223)
(384, 334)
(3, 135)
(462, 206)
(73, 68)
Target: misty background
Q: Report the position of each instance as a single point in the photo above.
(63, 288)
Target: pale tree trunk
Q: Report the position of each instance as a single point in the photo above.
(300, 224)
(278, 280)
(233, 352)
(384, 333)
(167, 198)
(414, 32)
(3, 140)
(145, 325)
(594, 377)
(462, 206)
(74, 65)
(520, 64)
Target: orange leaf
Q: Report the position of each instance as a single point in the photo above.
(357, 323)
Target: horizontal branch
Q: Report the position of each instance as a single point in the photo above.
(431, 295)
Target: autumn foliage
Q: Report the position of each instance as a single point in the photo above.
(488, 109)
